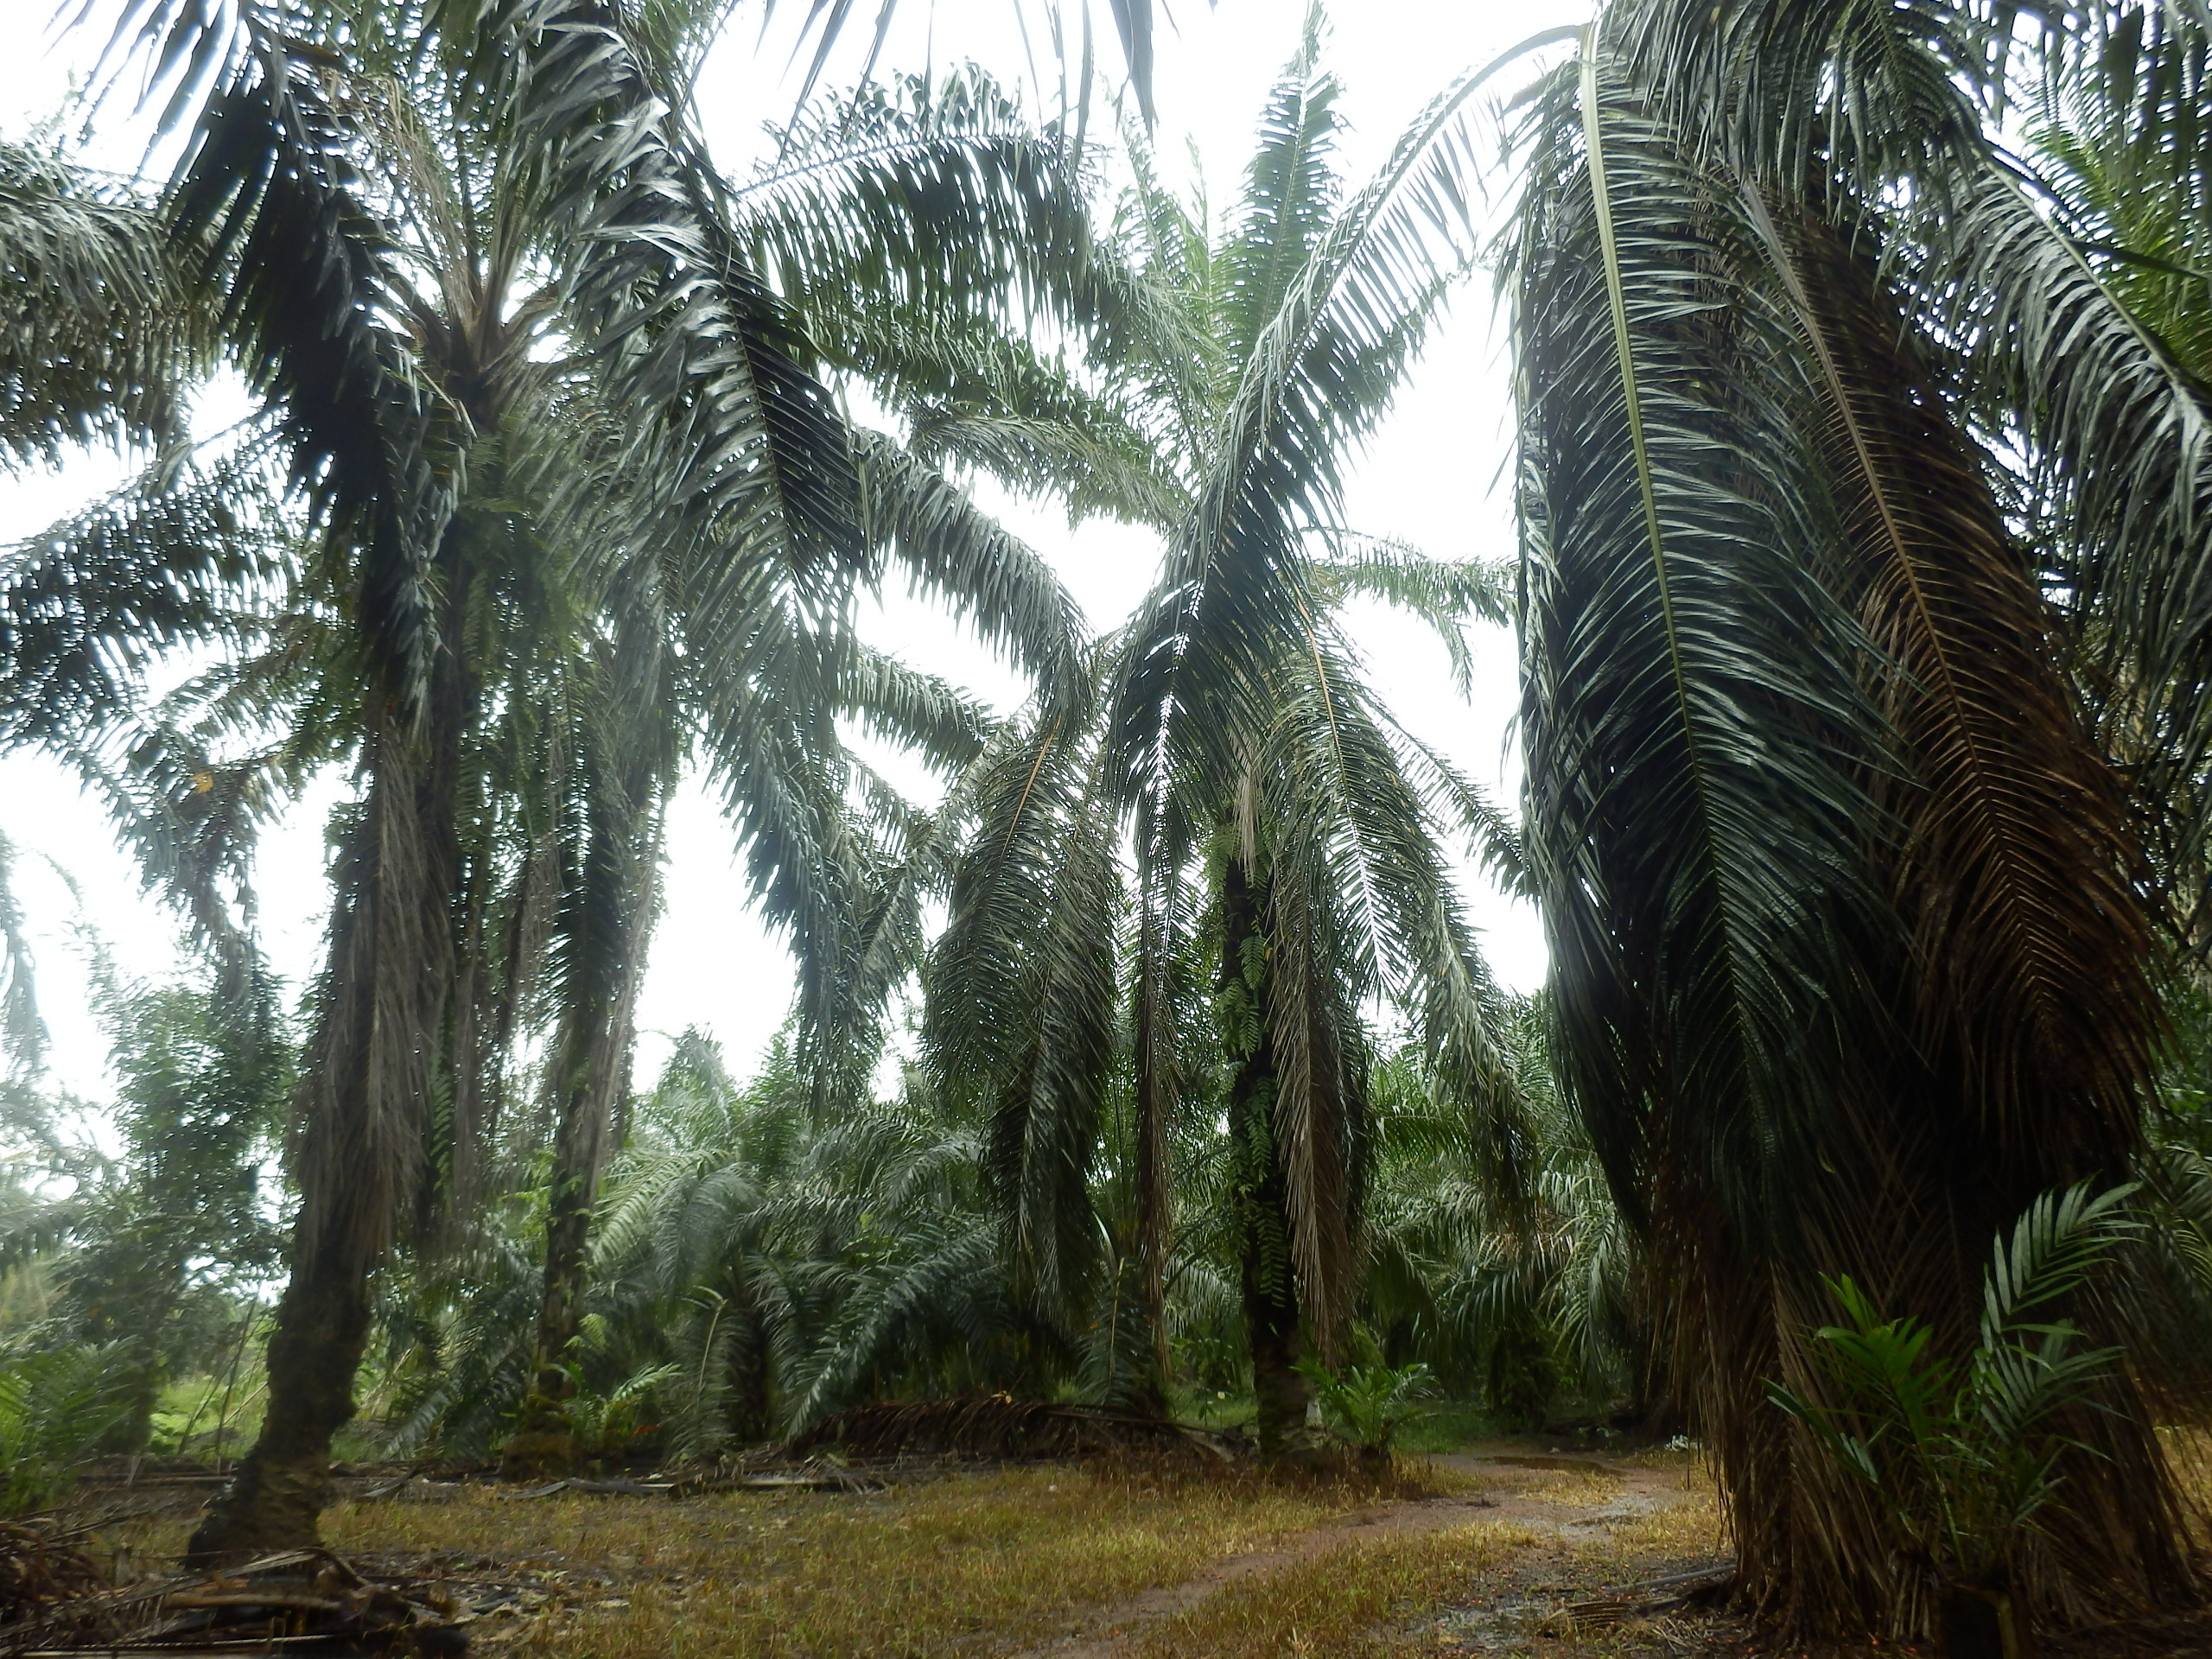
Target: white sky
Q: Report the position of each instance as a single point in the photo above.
(1433, 476)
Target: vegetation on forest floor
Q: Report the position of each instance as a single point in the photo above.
(991, 1559)
(1002, 1552)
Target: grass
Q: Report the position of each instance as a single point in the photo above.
(1342, 1604)
(909, 1575)
(1688, 1531)
(989, 1562)
(1444, 1426)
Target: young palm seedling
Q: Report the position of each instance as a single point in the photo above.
(1963, 1457)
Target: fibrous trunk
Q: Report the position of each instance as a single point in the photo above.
(362, 1103)
(1281, 1395)
(606, 916)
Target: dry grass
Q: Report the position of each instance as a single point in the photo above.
(1420, 1477)
(2189, 1453)
(1687, 1530)
(912, 1573)
(1342, 1604)
(980, 1562)
(1582, 1487)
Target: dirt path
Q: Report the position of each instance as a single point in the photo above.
(1110, 1630)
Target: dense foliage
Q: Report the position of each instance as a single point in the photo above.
(1863, 610)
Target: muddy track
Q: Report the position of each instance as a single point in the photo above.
(1109, 1631)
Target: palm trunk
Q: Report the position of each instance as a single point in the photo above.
(278, 1494)
(1280, 1394)
(607, 920)
(362, 1103)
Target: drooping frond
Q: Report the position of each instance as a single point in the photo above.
(706, 363)
(1023, 983)
(919, 711)
(1352, 840)
(95, 334)
(936, 199)
(84, 606)
(1446, 594)
(268, 195)
(962, 556)
(2031, 949)
(1679, 663)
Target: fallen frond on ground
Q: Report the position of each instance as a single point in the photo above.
(311, 1601)
(41, 1563)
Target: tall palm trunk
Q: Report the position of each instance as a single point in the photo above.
(606, 920)
(1280, 1394)
(362, 1105)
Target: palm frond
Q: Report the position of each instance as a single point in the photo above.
(167, 561)
(996, 583)
(94, 328)
(1445, 595)
(1022, 985)
(267, 195)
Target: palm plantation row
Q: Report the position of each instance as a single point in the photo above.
(1864, 471)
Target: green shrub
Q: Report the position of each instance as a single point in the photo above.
(1364, 1402)
(1962, 1456)
(55, 1408)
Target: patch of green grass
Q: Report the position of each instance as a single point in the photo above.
(1212, 1408)
(192, 1412)
(1444, 1426)
(1345, 1603)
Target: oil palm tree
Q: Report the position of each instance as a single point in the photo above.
(1519, 1298)
(1846, 473)
(1228, 817)
(567, 474)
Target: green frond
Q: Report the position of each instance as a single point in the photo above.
(945, 724)
(1023, 982)
(938, 198)
(95, 332)
(994, 581)
(170, 561)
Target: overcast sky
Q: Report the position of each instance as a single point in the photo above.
(1433, 476)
